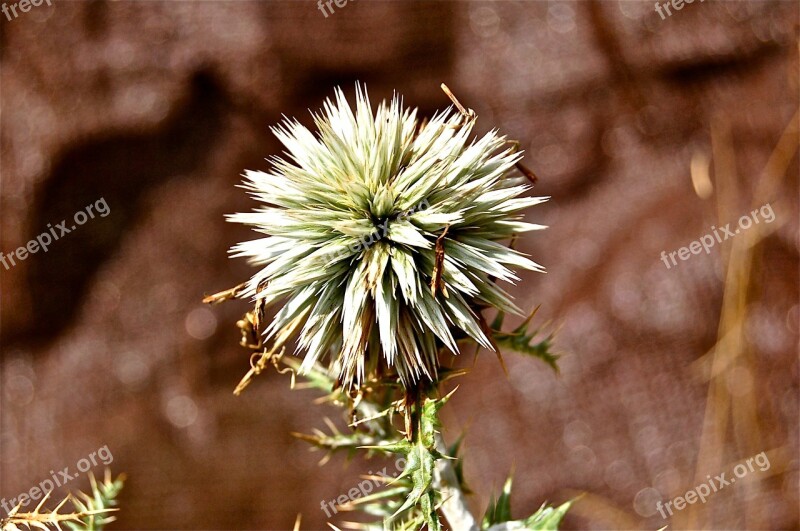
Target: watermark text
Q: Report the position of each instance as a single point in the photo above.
(42, 241)
(23, 5)
(58, 479)
(364, 488)
(713, 485)
(718, 235)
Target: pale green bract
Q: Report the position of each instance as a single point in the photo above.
(353, 215)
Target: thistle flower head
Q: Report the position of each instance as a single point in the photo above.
(384, 236)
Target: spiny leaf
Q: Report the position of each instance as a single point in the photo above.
(336, 440)
(521, 341)
(103, 497)
(421, 456)
(547, 518)
(499, 510)
(91, 512)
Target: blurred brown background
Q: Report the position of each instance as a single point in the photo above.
(157, 107)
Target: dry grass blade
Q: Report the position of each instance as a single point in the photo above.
(225, 295)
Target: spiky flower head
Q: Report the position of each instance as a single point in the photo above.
(384, 236)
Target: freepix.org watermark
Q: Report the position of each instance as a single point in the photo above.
(59, 479)
(23, 5)
(713, 485)
(708, 241)
(322, 4)
(42, 241)
(363, 489)
(676, 4)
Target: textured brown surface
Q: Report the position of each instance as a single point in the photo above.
(159, 106)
